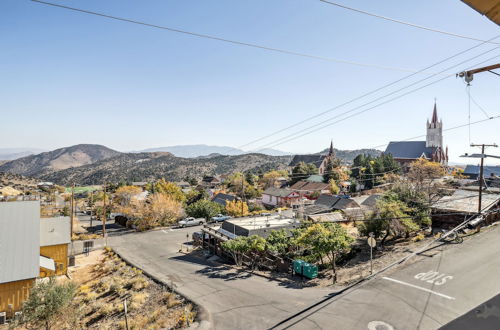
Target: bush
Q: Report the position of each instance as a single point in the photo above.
(46, 301)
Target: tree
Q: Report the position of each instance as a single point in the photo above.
(390, 218)
(330, 173)
(236, 248)
(46, 301)
(278, 242)
(256, 246)
(237, 208)
(329, 239)
(125, 194)
(422, 174)
(168, 188)
(269, 178)
(334, 189)
(303, 171)
(204, 209)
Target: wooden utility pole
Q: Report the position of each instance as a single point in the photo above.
(469, 75)
(72, 214)
(91, 205)
(104, 213)
(242, 193)
(481, 172)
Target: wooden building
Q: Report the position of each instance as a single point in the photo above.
(19, 255)
(54, 240)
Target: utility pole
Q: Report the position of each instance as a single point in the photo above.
(481, 172)
(104, 213)
(469, 75)
(72, 214)
(242, 193)
(91, 205)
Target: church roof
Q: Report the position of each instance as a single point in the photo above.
(308, 159)
(409, 149)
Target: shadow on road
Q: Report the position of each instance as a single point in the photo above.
(226, 273)
(485, 316)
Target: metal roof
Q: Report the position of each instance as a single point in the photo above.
(55, 231)
(465, 201)
(19, 240)
(409, 149)
(487, 170)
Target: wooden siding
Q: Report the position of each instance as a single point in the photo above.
(14, 293)
(59, 253)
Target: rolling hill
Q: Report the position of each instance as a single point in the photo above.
(154, 165)
(59, 159)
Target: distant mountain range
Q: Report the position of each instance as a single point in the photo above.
(95, 164)
(15, 153)
(203, 150)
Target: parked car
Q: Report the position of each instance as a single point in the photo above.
(188, 222)
(220, 218)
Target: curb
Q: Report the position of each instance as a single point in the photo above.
(203, 317)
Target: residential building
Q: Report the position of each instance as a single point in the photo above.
(247, 226)
(279, 197)
(223, 199)
(405, 152)
(19, 252)
(329, 203)
(472, 171)
(306, 188)
(55, 237)
(210, 182)
(451, 210)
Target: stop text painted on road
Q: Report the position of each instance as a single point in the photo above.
(434, 277)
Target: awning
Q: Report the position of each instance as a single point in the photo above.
(47, 263)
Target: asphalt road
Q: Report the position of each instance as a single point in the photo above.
(426, 294)
(234, 300)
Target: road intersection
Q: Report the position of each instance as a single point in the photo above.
(426, 294)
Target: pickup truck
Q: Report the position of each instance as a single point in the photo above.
(220, 218)
(188, 222)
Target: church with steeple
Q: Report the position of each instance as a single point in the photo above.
(405, 152)
(320, 160)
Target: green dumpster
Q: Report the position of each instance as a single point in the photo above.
(297, 266)
(310, 271)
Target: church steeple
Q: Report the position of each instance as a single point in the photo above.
(434, 130)
(331, 152)
(434, 115)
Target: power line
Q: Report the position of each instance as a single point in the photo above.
(365, 95)
(405, 23)
(294, 135)
(444, 130)
(231, 41)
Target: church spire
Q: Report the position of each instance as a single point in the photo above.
(434, 114)
(331, 149)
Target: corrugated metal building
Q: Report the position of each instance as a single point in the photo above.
(55, 235)
(19, 252)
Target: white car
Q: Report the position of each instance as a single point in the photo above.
(188, 222)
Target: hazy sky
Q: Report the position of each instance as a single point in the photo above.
(69, 78)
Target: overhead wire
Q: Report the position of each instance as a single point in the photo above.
(322, 125)
(404, 23)
(231, 41)
(365, 94)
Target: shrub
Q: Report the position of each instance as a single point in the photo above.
(47, 300)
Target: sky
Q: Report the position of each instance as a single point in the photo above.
(70, 77)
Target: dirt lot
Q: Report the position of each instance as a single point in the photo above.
(104, 281)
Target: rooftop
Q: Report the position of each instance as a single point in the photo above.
(465, 201)
(55, 231)
(408, 149)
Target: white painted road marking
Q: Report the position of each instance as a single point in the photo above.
(434, 277)
(418, 287)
